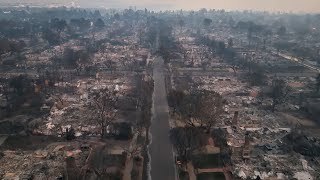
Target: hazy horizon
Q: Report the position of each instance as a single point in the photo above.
(261, 5)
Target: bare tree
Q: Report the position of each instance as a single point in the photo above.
(104, 104)
(144, 122)
(257, 78)
(181, 24)
(186, 140)
(207, 22)
(134, 150)
(174, 99)
(201, 108)
(145, 105)
(230, 43)
(279, 92)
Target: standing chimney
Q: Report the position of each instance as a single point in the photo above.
(246, 148)
(72, 169)
(235, 118)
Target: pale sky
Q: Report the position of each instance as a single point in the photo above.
(268, 5)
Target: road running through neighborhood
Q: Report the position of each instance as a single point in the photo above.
(162, 160)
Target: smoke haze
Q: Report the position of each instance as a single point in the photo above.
(262, 5)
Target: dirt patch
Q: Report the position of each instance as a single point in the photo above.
(301, 144)
(28, 142)
(296, 120)
(296, 84)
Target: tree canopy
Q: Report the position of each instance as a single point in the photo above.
(201, 108)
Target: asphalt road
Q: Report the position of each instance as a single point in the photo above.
(162, 163)
(291, 58)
